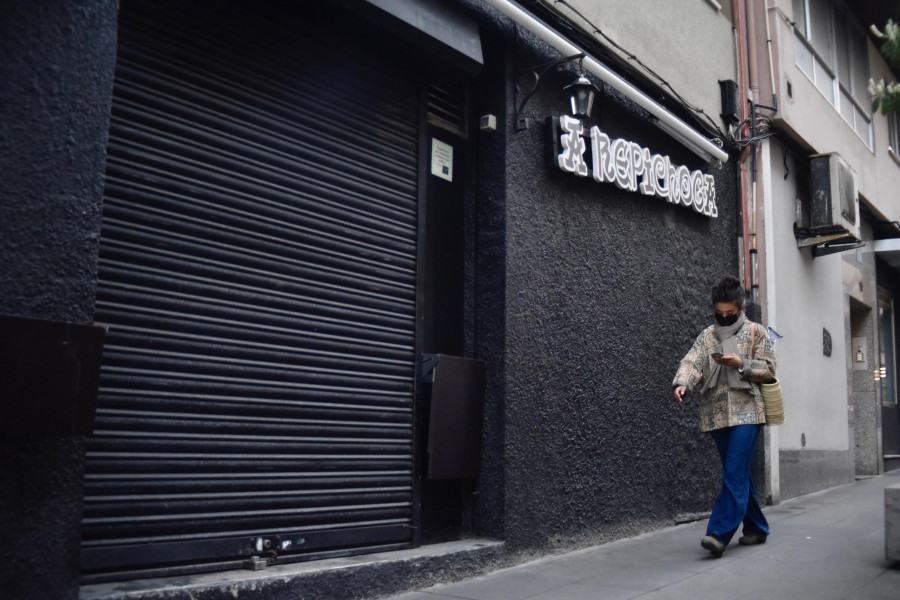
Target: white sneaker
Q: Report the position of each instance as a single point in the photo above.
(713, 544)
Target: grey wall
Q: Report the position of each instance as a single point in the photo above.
(860, 281)
(804, 297)
(56, 65)
(809, 470)
(603, 293)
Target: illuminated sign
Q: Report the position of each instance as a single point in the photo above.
(633, 168)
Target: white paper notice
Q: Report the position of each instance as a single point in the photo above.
(441, 159)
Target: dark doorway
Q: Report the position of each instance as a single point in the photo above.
(442, 291)
(885, 378)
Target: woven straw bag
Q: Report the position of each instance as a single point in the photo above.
(771, 393)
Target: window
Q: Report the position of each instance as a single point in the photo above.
(831, 49)
(894, 133)
(815, 47)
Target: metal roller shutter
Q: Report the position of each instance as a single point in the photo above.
(257, 272)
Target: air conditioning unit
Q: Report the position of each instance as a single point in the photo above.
(835, 197)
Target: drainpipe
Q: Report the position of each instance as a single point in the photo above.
(769, 50)
(753, 72)
(743, 86)
(750, 81)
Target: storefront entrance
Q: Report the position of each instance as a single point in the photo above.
(886, 380)
(258, 274)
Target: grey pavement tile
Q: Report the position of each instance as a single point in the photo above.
(654, 547)
(584, 558)
(809, 548)
(836, 577)
(803, 528)
(510, 584)
(573, 571)
(589, 591)
(677, 540)
(798, 554)
(628, 563)
(823, 547)
(799, 588)
(824, 519)
(777, 516)
(691, 558)
(684, 542)
(422, 596)
(776, 538)
(637, 578)
(706, 587)
(884, 587)
(736, 583)
(868, 549)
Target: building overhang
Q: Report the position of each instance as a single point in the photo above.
(889, 251)
(435, 25)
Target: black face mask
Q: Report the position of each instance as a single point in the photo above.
(726, 321)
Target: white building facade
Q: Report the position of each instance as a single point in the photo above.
(828, 291)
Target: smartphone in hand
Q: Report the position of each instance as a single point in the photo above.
(717, 355)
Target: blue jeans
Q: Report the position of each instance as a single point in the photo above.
(737, 502)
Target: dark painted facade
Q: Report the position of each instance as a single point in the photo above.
(56, 64)
(604, 291)
(580, 298)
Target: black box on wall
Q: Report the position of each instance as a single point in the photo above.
(49, 376)
(456, 412)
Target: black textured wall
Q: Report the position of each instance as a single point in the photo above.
(56, 61)
(489, 311)
(589, 302)
(56, 68)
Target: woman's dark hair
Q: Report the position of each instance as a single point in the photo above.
(728, 290)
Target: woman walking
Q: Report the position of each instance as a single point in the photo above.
(726, 363)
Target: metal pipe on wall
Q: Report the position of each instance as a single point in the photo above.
(743, 86)
(769, 50)
(748, 80)
(666, 121)
(753, 72)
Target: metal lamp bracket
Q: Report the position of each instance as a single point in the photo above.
(537, 73)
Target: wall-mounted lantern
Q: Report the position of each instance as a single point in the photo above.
(581, 96)
(536, 75)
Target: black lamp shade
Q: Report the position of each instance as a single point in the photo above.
(581, 96)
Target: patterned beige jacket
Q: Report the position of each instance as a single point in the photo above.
(722, 406)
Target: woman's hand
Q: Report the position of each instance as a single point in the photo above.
(679, 393)
(731, 360)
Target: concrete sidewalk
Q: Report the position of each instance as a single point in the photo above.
(826, 545)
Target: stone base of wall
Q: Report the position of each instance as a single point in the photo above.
(806, 471)
(352, 578)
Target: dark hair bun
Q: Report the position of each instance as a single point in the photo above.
(728, 290)
(729, 282)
